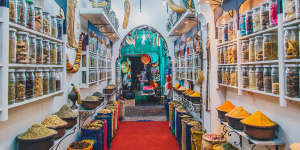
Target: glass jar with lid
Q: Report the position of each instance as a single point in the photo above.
(243, 25)
(220, 75)
(38, 83)
(224, 75)
(256, 19)
(22, 48)
(245, 77)
(264, 16)
(275, 79)
(268, 79)
(289, 10)
(245, 51)
(225, 53)
(234, 48)
(21, 12)
(38, 19)
(233, 76)
(45, 82)
(231, 30)
(220, 34)
(259, 48)
(270, 46)
(249, 22)
(58, 79)
(32, 49)
(252, 50)
(252, 78)
(12, 45)
(273, 13)
(46, 52)
(52, 81)
(222, 55)
(59, 54)
(53, 53)
(39, 51)
(53, 27)
(59, 28)
(219, 55)
(292, 80)
(225, 30)
(13, 11)
(46, 23)
(20, 85)
(227, 73)
(30, 84)
(259, 76)
(30, 15)
(11, 86)
(291, 42)
(230, 54)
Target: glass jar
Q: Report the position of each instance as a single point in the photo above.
(59, 54)
(256, 19)
(220, 75)
(224, 75)
(11, 86)
(13, 11)
(230, 51)
(45, 82)
(225, 30)
(275, 79)
(249, 22)
(225, 53)
(32, 49)
(39, 51)
(259, 54)
(234, 48)
(291, 41)
(222, 55)
(12, 45)
(219, 55)
(38, 19)
(227, 73)
(22, 48)
(220, 34)
(21, 12)
(264, 16)
(46, 52)
(245, 51)
(58, 79)
(46, 23)
(53, 27)
(233, 76)
(53, 53)
(292, 80)
(259, 76)
(243, 25)
(252, 78)
(38, 83)
(52, 81)
(29, 84)
(30, 15)
(60, 26)
(268, 79)
(273, 13)
(289, 10)
(20, 85)
(231, 30)
(245, 77)
(270, 47)
(252, 50)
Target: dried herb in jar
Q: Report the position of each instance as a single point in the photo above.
(259, 76)
(38, 84)
(29, 84)
(267, 79)
(275, 79)
(292, 80)
(12, 11)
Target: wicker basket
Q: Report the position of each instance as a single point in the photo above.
(221, 115)
(71, 122)
(235, 123)
(60, 131)
(260, 133)
(90, 104)
(37, 144)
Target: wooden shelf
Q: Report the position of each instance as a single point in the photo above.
(272, 29)
(22, 28)
(227, 43)
(292, 99)
(291, 23)
(261, 62)
(34, 66)
(260, 92)
(34, 99)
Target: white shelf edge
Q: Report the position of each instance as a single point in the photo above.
(261, 62)
(227, 64)
(35, 66)
(226, 43)
(178, 22)
(34, 100)
(292, 61)
(92, 82)
(260, 92)
(259, 33)
(19, 27)
(292, 99)
(225, 85)
(290, 23)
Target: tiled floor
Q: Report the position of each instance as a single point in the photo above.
(152, 118)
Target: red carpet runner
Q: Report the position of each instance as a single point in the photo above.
(152, 135)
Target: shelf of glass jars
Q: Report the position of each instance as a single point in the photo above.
(272, 29)
(34, 66)
(292, 98)
(227, 43)
(35, 99)
(291, 23)
(260, 92)
(226, 64)
(226, 85)
(261, 62)
(39, 34)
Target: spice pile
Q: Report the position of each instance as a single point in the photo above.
(181, 88)
(81, 144)
(91, 98)
(66, 112)
(258, 119)
(95, 125)
(54, 121)
(224, 146)
(104, 111)
(196, 94)
(239, 113)
(226, 107)
(37, 131)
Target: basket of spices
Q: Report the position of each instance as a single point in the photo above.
(36, 137)
(185, 93)
(68, 115)
(260, 127)
(211, 139)
(195, 98)
(54, 122)
(93, 131)
(109, 89)
(176, 87)
(81, 145)
(224, 146)
(99, 95)
(181, 90)
(91, 102)
(223, 109)
(235, 116)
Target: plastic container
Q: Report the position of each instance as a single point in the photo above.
(38, 83)
(20, 85)
(38, 19)
(32, 49)
(245, 51)
(289, 11)
(242, 23)
(52, 81)
(53, 27)
(264, 16)
(270, 46)
(292, 80)
(259, 76)
(273, 13)
(268, 79)
(45, 82)
(13, 11)
(12, 45)
(53, 53)
(30, 15)
(11, 86)
(256, 19)
(252, 78)
(245, 77)
(291, 41)
(21, 12)
(39, 51)
(252, 50)
(46, 52)
(249, 22)
(46, 23)
(275, 79)
(259, 54)
(22, 48)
